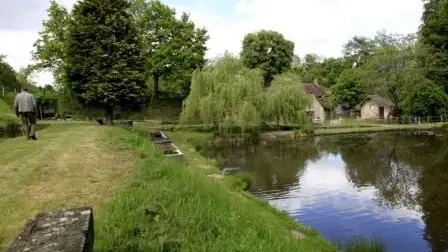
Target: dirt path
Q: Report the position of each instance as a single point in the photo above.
(70, 165)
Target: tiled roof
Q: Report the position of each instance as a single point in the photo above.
(314, 89)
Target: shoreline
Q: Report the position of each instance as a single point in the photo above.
(190, 208)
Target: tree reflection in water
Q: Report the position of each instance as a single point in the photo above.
(407, 171)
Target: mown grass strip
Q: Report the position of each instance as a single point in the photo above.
(69, 166)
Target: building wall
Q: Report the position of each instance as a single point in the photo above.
(371, 110)
(318, 110)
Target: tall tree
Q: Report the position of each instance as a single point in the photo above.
(8, 81)
(392, 68)
(332, 69)
(171, 45)
(426, 99)
(349, 89)
(311, 60)
(434, 40)
(50, 49)
(312, 69)
(268, 51)
(358, 50)
(104, 65)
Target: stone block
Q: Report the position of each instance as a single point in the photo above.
(62, 231)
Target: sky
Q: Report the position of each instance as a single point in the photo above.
(315, 26)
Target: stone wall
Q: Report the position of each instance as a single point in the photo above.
(318, 110)
(371, 110)
(67, 231)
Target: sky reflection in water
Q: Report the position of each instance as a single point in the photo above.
(388, 187)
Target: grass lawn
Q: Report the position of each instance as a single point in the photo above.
(70, 165)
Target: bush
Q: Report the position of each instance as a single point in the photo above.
(244, 181)
(426, 99)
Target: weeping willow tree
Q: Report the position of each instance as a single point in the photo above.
(230, 96)
(226, 96)
(286, 102)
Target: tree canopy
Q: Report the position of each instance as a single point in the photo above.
(8, 79)
(171, 46)
(434, 41)
(50, 48)
(349, 89)
(268, 51)
(229, 95)
(104, 63)
(426, 99)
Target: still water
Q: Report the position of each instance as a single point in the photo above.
(390, 187)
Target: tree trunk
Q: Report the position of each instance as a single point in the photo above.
(109, 116)
(156, 85)
(267, 81)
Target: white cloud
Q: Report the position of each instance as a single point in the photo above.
(20, 23)
(316, 26)
(325, 183)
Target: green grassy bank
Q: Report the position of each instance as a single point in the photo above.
(6, 115)
(354, 130)
(176, 207)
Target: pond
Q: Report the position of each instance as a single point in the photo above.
(378, 186)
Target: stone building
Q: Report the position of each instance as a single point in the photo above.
(316, 110)
(376, 107)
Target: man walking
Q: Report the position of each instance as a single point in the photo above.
(25, 107)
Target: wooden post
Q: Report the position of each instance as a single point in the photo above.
(3, 90)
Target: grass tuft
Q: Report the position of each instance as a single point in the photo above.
(244, 181)
(365, 245)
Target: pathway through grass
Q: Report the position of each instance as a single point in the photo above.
(70, 165)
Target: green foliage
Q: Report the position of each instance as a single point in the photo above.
(286, 101)
(244, 181)
(392, 69)
(47, 97)
(104, 64)
(426, 99)
(8, 79)
(268, 51)
(230, 96)
(349, 89)
(173, 47)
(434, 41)
(358, 50)
(50, 49)
(326, 72)
(364, 245)
(225, 95)
(173, 207)
(6, 115)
